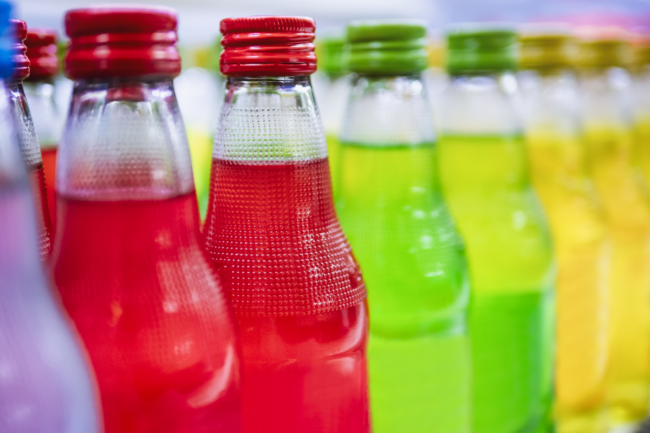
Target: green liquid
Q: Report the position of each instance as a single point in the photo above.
(487, 187)
(333, 155)
(415, 270)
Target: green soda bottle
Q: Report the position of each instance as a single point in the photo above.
(485, 178)
(392, 210)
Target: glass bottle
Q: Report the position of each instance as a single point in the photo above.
(128, 259)
(47, 116)
(392, 210)
(577, 220)
(486, 182)
(609, 137)
(27, 135)
(45, 383)
(274, 238)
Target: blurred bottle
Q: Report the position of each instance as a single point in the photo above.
(608, 130)
(392, 209)
(581, 240)
(200, 92)
(273, 236)
(45, 384)
(435, 76)
(332, 95)
(640, 75)
(27, 135)
(128, 258)
(485, 178)
(46, 113)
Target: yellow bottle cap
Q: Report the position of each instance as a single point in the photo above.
(546, 47)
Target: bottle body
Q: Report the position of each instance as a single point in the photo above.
(607, 123)
(33, 160)
(273, 236)
(46, 385)
(582, 246)
(484, 175)
(48, 120)
(167, 317)
(392, 210)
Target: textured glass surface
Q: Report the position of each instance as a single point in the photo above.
(32, 156)
(273, 236)
(609, 136)
(484, 173)
(582, 246)
(45, 385)
(131, 269)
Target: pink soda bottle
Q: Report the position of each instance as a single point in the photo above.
(27, 138)
(128, 259)
(273, 235)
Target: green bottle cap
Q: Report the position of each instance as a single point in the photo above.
(475, 48)
(387, 47)
(329, 52)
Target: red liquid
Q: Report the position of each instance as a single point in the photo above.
(274, 237)
(138, 286)
(49, 167)
(37, 181)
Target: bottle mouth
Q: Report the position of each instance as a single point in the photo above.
(268, 46)
(42, 54)
(122, 41)
(19, 50)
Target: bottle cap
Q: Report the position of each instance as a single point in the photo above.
(329, 51)
(268, 46)
(42, 54)
(603, 47)
(387, 47)
(6, 40)
(122, 41)
(19, 50)
(475, 48)
(545, 47)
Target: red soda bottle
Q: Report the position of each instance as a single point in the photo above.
(128, 258)
(27, 135)
(273, 235)
(44, 108)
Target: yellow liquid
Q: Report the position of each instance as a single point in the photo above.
(200, 144)
(609, 150)
(582, 249)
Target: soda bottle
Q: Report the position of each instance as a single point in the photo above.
(577, 221)
(608, 131)
(392, 210)
(27, 135)
(485, 178)
(128, 259)
(45, 383)
(46, 113)
(331, 93)
(273, 236)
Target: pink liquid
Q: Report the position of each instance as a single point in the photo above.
(37, 181)
(273, 235)
(49, 170)
(153, 317)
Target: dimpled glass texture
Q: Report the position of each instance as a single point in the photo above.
(273, 235)
(131, 269)
(392, 210)
(32, 156)
(485, 177)
(45, 384)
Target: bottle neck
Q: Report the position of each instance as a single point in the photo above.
(269, 120)
(24, 125)
(124, 140)
(606, 98)
(46, 113)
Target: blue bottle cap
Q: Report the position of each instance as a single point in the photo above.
(6, 39)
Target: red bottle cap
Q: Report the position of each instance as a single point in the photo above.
(268, 46)
(42, 54)
(122, 41)
(19, 50)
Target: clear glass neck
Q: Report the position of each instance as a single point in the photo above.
(606, 97)
(481, 105)
(46, 113)
(23, 124)
(124, 140)
(388, 111)
(269, 120)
